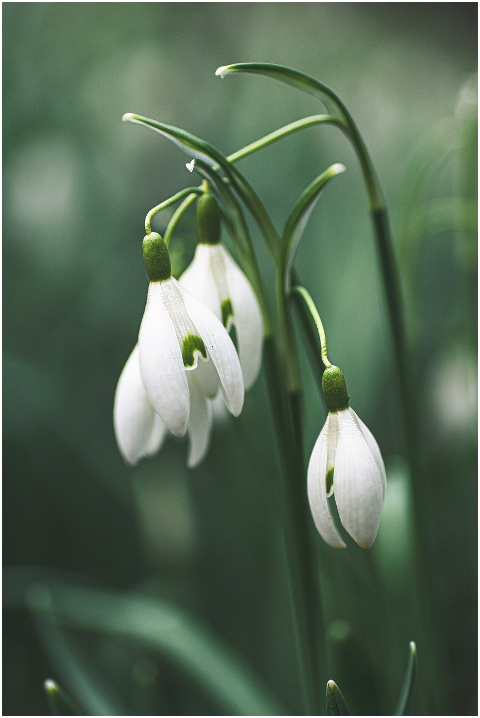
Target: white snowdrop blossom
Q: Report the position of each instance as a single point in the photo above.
(346, 462)
(214, 278)
(140, 432)
(184, 357)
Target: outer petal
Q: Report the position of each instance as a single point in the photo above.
(247, 319)
(374, 448)
(157, 436)
(161, 363)
(199, 423)
(133, 416)
(220, 349)
(199, 280)
(317, 492)
(358, 484)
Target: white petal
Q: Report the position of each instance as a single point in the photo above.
(207, 377)
(157, 436)
(358, 484)
(317, 492)
(161, 363)
(220, 349)
(332, 440)
(199, 280)
(374, 448)
(133, 416)
(247, 319)
(199, 423)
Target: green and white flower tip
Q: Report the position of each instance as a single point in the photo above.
(215, 279)
(184, 355)
(346, 462)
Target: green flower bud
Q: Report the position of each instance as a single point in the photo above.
(334, 389)
(156, 258)
(208, 220)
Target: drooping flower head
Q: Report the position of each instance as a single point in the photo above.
(346, 462)
(184, 356)
(214, 278)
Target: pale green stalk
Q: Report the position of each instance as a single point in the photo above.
(318, 322)
(167, 203)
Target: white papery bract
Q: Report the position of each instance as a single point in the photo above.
(139, 430)
(346, 462)
(214, 278)
(178, 335)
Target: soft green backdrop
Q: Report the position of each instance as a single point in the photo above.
(77, 185)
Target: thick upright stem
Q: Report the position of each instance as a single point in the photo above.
(303, 589)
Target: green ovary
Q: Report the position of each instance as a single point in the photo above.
(227, 311)
(191, 344)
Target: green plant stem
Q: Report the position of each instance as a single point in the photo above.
(177, 215)
(310, 304)
(167, 203)
(302, 580)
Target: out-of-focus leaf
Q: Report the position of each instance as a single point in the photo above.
(76, 672)
(336, 704)
(161, 626)
(61, 704)
(405, 700)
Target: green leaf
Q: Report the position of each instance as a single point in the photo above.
(60, 703)
(199, 149)
(336, 705)
(339, 115)
(405, 700)
(290, 77)
(299, 216)
(160, 626)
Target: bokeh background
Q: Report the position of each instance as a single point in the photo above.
(77, 185)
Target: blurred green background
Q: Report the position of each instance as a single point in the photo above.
(77, 185)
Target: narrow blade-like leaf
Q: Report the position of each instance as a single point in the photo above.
(336, 704)
(290, 77)
(162, 627)
(199, 149)
(299, 216)
(405, 700)
(60, 703)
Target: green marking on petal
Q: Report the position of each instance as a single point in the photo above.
(329, 480)
(191, 344)
(227, 311)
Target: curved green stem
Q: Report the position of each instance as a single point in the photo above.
(316, 318)
(177, 215)
(167, 203)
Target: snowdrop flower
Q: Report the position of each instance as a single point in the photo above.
(139, 430)
(215, 279)
(184, 355)
(347, 463)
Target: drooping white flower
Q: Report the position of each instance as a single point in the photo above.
(184, 356)
(346, 462)
(140, 432)
(214, 278)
